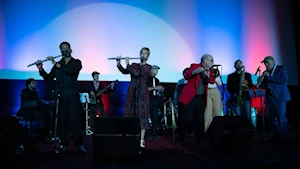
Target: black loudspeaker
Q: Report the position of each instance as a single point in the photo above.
(12, 135)
(227, 135)
(116, 137)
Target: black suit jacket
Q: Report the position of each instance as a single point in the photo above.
(233, 84)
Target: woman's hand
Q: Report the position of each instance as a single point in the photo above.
(118, 59)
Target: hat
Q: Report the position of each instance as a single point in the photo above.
(155, 67)
(95, 72)
(267, 58)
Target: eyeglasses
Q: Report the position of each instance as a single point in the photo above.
(210, 60)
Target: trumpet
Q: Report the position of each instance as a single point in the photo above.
(41, 61)
(172, 109)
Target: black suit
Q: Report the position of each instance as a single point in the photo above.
(154, 104)
(69, 100)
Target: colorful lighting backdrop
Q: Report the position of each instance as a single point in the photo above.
(178, 33)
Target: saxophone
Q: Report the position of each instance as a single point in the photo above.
(171, 108)
(242, 88)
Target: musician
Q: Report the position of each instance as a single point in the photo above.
(95, 89)
(275, 80)
(154, 87)
(178, 88)
(183, 113)
(42, 115)
(137, 99)
(66, 72)
(214, 103)
(234, 88)
(194, 93)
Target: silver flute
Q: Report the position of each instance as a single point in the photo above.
(41, 61)
(120, 58)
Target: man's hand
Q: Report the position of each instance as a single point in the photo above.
(199, 70)
(246, 82)
(207, 73)
(51, 58)
(57, 65)
(39, 64)
(92, 93)
(159, 88)
(266, 73)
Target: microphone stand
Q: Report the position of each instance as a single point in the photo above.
(262, 111)
(54, 148)
(223, 93)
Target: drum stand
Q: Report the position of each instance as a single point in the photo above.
(54, 148)
(87, 130)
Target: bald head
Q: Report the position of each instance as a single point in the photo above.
(206, 57)
(207, 61)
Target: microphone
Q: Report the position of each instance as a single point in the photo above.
(258, 69)
(216, 65)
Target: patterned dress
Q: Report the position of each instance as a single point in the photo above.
(137, 98)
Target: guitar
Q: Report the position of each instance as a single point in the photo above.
(93, 99)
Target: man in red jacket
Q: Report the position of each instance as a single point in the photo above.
(194, 95)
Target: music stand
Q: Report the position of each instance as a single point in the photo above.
(84, 98)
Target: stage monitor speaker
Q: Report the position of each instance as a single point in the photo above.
(12, 135)
(227, 135)
(116, 137)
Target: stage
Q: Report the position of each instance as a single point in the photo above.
(159, 154)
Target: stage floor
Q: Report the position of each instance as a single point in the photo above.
(159, 154)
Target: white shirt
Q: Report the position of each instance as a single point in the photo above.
(217, 83)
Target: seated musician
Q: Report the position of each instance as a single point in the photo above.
(95, 90)
(30, 110)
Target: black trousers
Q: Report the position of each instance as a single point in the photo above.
(93, 112)
(71, 113)
(192, 115)
(154, 115)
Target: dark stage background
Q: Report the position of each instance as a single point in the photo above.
(114, 102)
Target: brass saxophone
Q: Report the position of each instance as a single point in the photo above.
(216, 72)
(172, 109)
(243, 87)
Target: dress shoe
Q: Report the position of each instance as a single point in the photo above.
(142, 144)
(82, 149)
(62, 148)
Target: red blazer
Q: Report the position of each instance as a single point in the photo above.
(190, 89)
